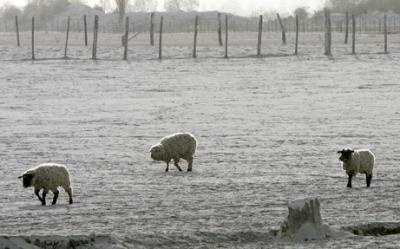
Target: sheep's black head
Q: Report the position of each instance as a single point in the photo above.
(26, 179)
(157, 152)
(345, 154)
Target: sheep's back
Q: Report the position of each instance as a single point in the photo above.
(180, 144)
(367, 160)
(51, 176)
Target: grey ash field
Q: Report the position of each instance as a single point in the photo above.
(268, 131)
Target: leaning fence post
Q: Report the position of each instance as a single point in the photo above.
(297, 36)
(386, 33)
(66, 38)
(95, 31)
(33, 38)
(85, 29)
(219, 29)
(282, 28)
(196, 24)
(152, 29)
(353, 50)
(126, 38)
(328, 32)
(346, 35)
(160, 42)
(226, 36)
(17, 30)
(260, 27)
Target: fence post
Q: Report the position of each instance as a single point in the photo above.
(386, 33)
(66, 38)
(17, 30)
(282, 28)
(95, 31)
(226, 36)
(328, 32)
(33, 38)
(297, 35)
(219, 29)
(160, 43)
(152, 28)
(346, 35)
(85, 29)
(196, 24)
(260, 28)
(353, 50)
(126, 38)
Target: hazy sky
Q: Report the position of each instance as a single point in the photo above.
(242, 7)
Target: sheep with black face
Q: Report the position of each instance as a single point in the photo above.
(175, 146)
(357, 161)
(49, 177)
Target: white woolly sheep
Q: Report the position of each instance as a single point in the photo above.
(48, 176)
(357, 161)
(175, 146)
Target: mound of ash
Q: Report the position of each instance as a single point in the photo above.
(375, 229)
(60, 242)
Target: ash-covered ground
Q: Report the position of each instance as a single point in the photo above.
(268, 131)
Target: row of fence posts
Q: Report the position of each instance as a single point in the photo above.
(328, 34)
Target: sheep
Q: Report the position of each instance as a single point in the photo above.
(357, 161)
(47, 176)
(175, 146)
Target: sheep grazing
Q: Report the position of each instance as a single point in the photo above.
(175, 146)
(357, 161)
(48, 176)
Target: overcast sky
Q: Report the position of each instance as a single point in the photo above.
(241, 7)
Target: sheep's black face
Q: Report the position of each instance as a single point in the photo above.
(27, 180)
(345, 155)
(157, 152)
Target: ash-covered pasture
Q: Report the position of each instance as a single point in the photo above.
(268, 130)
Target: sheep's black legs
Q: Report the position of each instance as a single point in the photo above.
(166, 170)
(55, 197)
(69, 191)
(349, 182)
(177, 165)
(369, 178)
(37, 194)
(44, 197)
(190, 161)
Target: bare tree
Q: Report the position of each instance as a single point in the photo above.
(121, 9)
(301, 12)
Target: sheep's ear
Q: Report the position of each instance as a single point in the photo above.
(19, 177)
(351, 151)
(340, 151)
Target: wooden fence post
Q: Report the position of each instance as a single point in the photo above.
(196, 24)
(282, 28)
(17, 30)
(328, 32)
(386, 33)
(260, 28)
(226, 36)
(126, 38)
(66, 38)
(160, 43)
(33, 38)
(95, 32)
(219, 29)
(346, 35)
(152, 29)
(353, 50)
(297, 35)
(85, 29)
